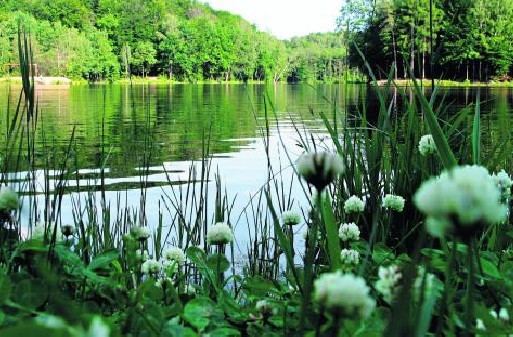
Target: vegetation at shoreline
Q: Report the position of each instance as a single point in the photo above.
(471, 39)
(184, 40)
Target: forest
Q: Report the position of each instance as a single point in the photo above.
(469, 39)
(183, 40)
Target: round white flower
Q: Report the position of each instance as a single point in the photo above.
(461, 200)
(349, 256)
(9, 200)
(349, 231)
(219, 234)
(170, 267)
(319, 168)
(175, 254)
(503, 183)
(291, 218)
(151, 266)
(480, 324)
(427, 145)
(504, 314)
(394, 202)
(140, 233)
(264, 307)
(388, 282)
(164, 281)
(354, 205)
(345, 293)
(141, 255)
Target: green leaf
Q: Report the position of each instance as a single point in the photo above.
(30, 293)
(489, 268)
(218, 259)
(199, 312)
(5, 288)
(103, 260)
(442, 146)
(224, 332)
(332, 238)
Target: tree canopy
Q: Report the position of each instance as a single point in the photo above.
(180, 39)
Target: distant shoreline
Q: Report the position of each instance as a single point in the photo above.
(65, 81)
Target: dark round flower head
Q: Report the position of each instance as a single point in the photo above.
(319, 168)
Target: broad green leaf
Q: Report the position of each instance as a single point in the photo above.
(5, 288)
(199, 312)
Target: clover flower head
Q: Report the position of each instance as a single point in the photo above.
(165, 281)
(503, 182)
(427, 145)
(394, 202)
(354, 205)
(319, 168)
(349, 231)
(349, 256)
(140, 233)
(388, 282)
(142, 255)
(170, 267)
(503, 314)
(460, 201)
(175, 254)
(291, 218)
(220, 234)
(9, 200)
(346, 294)
(264, 307)
(150, 266)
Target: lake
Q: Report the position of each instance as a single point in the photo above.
(151, 135)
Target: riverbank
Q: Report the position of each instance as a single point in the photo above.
(448, 83)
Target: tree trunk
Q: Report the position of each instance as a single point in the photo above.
(412, 50)
(395, 53)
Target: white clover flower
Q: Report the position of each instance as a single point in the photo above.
(319, 168)
(140, 233)
(461, 200)
(163, 281)
(480, 324)
(264, 307)
(9, 200)
(219, 234)
(141, 255)
(354, 205)
(493, 313)
(175, 254)
(427, 145)
(170, 267)
(504, 314)
(291, 218)
(503, 182)
(344, 293)
(349, 231)
(150, 266)
(97, 328)
(394, 202)
(349, 256)
(388, 283)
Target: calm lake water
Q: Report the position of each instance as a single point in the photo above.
(167, 128)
